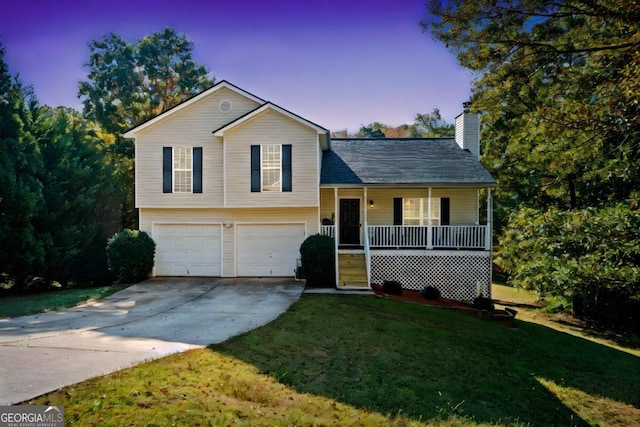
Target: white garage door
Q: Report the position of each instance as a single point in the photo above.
(268, 249)
(187, 250)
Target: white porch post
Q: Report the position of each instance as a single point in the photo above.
(429, 226)
(336, 230)
(489, 231)
(366, 203)
(478, 206)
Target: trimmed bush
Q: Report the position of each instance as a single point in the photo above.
(483, 303)
(130, 255)
(392, 287)
(430, 292)
(318, 261)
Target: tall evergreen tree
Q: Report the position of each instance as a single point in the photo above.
(75, 179)
(21, 249)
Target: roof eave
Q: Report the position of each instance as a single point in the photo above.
(131, 133)
(264, 107)
(417, 184)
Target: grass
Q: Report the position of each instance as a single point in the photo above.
(532, 310)
(22, 305)
(352, 360)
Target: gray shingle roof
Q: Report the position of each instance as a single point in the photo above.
(401, 161)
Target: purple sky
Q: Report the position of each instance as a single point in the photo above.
(339, 63)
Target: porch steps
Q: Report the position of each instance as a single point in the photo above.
(352, 270)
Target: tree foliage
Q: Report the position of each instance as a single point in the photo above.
(426, 125)
(557, 84)
(431, 125)
(56, 192)
(79, 194)
(129, 83)
(21, 199)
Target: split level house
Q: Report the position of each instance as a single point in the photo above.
(230, 185)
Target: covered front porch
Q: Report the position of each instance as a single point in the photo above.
(417, 235)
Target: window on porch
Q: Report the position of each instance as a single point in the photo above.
(415, 211)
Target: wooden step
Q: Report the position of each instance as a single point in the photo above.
(352, 264)
(345, 278)
(352, 270)
(361, 283)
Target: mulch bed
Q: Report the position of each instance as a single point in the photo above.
(500, 316)
(415, 296)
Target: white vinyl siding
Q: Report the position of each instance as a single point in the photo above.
(271, 128)
(415, 211)
(192, 127)
(182, 170)
(463, 205)
(271, 167)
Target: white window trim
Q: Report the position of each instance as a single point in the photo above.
(174, 170)
(424, 218)
(263, 168)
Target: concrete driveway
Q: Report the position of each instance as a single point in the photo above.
(44, 352)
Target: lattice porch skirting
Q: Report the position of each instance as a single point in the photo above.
(457, 274)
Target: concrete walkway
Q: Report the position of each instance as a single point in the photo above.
(43, 352)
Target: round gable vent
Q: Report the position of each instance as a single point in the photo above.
(225, 106)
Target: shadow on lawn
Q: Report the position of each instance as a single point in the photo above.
(430, 363)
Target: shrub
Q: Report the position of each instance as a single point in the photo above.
(430, 292)
(483, 303)
(318, 261)
(392, 287)
(130, 255)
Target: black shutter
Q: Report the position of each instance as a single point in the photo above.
(397, 211)
(286, 168)
(167, 169)
(197, 169)
(255, 168)
(445, 211)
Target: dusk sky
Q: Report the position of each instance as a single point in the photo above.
(339, 63)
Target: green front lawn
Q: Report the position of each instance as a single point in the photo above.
(22, 305)
(352, 360)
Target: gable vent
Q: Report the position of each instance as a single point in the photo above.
(225, 106)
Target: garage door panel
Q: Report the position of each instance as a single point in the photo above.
(268, 249)
(187, 250)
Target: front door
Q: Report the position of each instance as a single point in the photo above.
(349, 221)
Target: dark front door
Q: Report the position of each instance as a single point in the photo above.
(349, 221)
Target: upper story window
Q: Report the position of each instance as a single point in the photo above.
(415, 211)
(271, 167)
(182, 169)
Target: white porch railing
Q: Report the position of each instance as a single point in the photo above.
(328, 230)
(438, 236)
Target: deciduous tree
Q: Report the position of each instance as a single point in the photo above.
(557, 84)
(129, 83)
